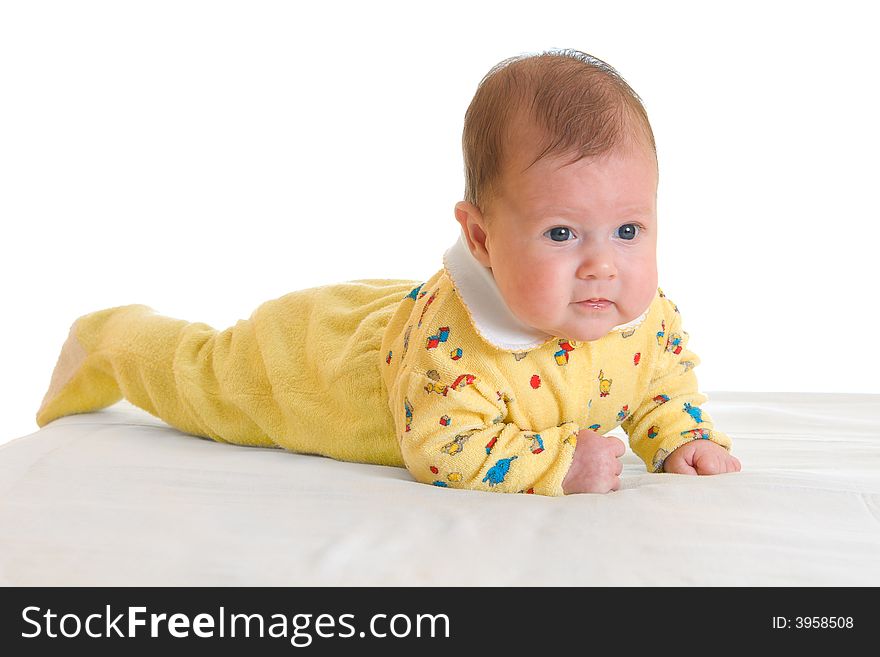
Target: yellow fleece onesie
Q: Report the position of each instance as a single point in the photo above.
(396, 372)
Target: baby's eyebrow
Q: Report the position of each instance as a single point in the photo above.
(543, 212)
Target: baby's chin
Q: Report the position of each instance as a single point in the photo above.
(585, 330)
(589, 326)
(588, 334)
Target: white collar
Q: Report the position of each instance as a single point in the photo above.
(490, 314)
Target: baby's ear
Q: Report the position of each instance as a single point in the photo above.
(473, 231)
(465, 212)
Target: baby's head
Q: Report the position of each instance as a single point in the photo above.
(561, 192)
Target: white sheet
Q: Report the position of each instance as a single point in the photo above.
(118, 498)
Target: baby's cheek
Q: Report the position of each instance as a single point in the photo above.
(642, 287)
(539, 296)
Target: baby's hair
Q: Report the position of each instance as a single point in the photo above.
(579, 103)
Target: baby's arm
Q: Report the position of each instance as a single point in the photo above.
(670, 415)
(452, 434)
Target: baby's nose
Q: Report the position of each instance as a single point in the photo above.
(598, 263)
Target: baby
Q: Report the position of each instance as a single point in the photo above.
(543, 330)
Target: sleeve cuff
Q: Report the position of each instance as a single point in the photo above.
(671, 444)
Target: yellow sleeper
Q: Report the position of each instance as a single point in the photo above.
(393, 372)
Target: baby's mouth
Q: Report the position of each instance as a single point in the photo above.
(595, 303)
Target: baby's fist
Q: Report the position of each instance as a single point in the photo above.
(701, 457)
(596, 465)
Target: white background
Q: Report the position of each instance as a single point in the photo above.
(204, 157)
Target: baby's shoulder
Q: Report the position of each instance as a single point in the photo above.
(667, 304)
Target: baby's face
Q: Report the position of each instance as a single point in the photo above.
(561, 235)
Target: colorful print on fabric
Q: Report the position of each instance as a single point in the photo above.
(604, 385)
(452, 476)
(673, 343)
(407, 407)
(427, 303)
(659, 457)
(537, 443)
(694, 411)
(406, 339)
(457, 444)
(496, 474)
(441, 336)
(462, 381)
(565, 346)
(697, 434)
(439, 388)
(435, 385)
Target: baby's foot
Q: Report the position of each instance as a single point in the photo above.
(79, 384)
(73, 355)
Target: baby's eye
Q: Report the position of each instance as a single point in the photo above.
(561, 232)
(628, 231)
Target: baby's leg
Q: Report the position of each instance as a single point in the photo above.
(188, 374)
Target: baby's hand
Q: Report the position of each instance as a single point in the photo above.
(595, 467)
(701, 457)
